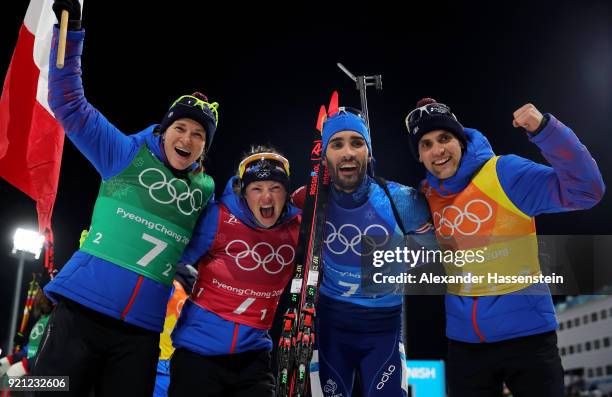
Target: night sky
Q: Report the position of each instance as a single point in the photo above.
(270, 70)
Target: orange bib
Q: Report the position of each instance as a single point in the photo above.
(481, 218)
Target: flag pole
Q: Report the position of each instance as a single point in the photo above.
(61, 47)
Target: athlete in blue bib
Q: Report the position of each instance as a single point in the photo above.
(360, 332)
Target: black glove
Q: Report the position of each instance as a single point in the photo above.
(74, 12)
(186, 275)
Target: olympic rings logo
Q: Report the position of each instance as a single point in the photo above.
(37, 331)
(261, 258)
(187, 202)
(464, 222)
(353, 243)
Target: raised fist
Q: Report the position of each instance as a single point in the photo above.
(527, 117)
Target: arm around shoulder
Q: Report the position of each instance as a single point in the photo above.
(203, 236)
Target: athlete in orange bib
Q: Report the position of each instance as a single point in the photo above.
(499, 332)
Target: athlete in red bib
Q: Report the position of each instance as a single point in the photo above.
(245, 251)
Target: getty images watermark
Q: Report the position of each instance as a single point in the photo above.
(484, 265)
(414, 257)
(468, 259)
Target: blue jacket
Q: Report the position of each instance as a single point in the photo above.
(200, 330)
(573, 182)
(93, 282)
(351, 214)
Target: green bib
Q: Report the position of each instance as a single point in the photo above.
(36, 335)
(144, 217)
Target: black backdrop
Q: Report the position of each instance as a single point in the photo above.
(271, 68)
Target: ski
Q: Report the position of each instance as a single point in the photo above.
(298, 333)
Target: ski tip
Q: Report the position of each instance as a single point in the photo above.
(333, 104)
(321, 119)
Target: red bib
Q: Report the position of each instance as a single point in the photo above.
(244, 273)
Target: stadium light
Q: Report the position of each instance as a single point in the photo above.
(27, 245)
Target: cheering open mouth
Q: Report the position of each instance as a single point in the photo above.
(182, 152)
(267, 212)
(347, 168)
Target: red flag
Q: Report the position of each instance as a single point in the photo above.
(31, 139)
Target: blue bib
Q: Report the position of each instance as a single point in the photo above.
(350, 237)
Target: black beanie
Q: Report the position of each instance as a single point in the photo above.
(429, 115)
(184, 108)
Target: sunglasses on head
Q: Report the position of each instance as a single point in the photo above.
(191, 101)
(431, 109)
(263, 157)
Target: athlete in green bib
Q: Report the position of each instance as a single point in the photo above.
(112, 294)
(144, 216)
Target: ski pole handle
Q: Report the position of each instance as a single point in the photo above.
(61, 46)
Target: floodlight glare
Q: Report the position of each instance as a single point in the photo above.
(28, 241)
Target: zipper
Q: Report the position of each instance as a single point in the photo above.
(475, 323)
